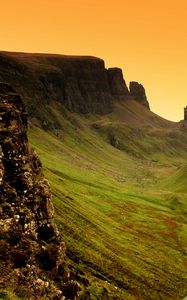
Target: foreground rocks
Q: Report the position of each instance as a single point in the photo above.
(31, 250)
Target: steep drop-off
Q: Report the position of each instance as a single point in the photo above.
(31, 250)
(79, 83)
(137, 92)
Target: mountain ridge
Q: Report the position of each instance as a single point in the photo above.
(81, 84)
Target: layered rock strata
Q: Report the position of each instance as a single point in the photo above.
(79, 84)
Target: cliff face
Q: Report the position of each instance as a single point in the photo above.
(137, 92)
(117, 84)
(80, 84)
(31, 250)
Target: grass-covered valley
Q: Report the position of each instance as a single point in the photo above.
(118, 177)
(119, 191)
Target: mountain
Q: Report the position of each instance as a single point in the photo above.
(54, 87)
(81, 84)
(116, 170)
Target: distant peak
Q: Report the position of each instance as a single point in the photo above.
(185, 113)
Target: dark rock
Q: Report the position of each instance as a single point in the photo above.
(70, 289)
(114, 141)
(137, 92)
(78, 83)
(20, 258)
(30, 244)
(185, 113)
(62, 83)
(117, 84)
(47, 259)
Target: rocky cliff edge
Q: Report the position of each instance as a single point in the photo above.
(80, 84)
(31, 250)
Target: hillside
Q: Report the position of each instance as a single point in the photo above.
(81, 84)
(124, 233)
(114, 168)
(117, 217)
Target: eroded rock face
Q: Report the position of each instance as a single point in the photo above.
(137, 92)
(31, 250)
(117, 84)
(78, 84)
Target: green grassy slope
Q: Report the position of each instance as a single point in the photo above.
(125, 233)
(177, 181)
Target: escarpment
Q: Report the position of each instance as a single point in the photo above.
(137, 92)
(31, 250)
(117, 84)
(79, 84)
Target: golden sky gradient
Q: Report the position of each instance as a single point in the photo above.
(147, 39)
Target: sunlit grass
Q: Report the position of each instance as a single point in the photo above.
(125, 231)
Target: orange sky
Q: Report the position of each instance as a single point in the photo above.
(147, 39)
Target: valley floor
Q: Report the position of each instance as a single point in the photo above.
(125, 232)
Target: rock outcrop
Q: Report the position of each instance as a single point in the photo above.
(137, 92)
(117, 84)
(185, 113)
(79, 84)
(31, 250)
